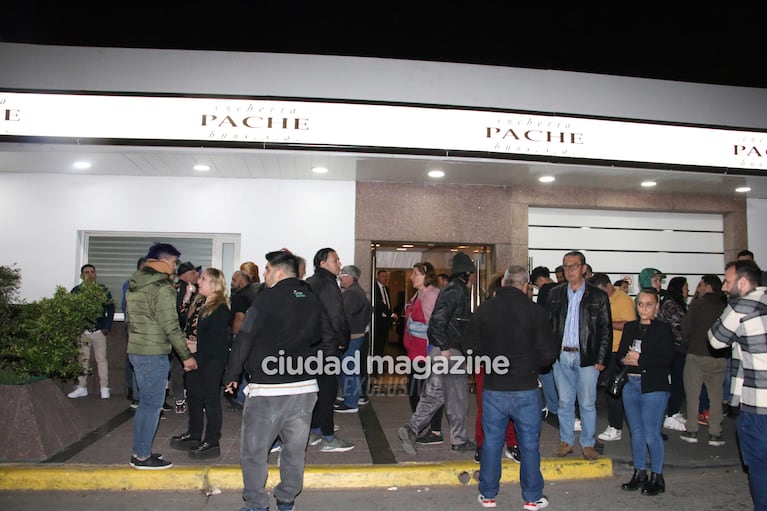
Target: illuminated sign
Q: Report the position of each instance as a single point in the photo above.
(353, 125)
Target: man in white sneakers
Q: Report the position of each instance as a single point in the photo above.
(96, 338)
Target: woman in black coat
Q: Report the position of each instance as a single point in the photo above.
(646, 351)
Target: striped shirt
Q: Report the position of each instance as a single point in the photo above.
(743, 326)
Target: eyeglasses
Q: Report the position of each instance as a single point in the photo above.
(570, 267)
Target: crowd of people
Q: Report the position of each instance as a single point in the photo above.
(188, 334)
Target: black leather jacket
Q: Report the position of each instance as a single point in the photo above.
(450, 315)
(335, 330)
(595, 324)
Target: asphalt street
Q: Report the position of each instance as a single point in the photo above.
(696, 489)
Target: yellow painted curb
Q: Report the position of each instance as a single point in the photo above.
(320, 477)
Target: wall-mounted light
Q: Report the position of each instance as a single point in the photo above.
(200, 167)
(546, 179)
(648, 184)
(81, 165)
(320, 170)
(743, 189)
(436, 174)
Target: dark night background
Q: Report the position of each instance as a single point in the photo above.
(725, 44)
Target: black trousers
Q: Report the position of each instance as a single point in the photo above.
(322, 417)
(203, 399)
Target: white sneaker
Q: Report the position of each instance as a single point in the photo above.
(681, 418)
(78, 392)
(578, 426)
(105, 394)
(611, 434)
(538, 504)
(672, 422)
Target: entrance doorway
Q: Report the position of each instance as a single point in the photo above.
(398, 258)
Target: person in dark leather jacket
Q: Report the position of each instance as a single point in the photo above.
(451, 312)
(584, 354)
(595, 340)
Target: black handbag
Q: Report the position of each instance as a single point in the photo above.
(616, 385)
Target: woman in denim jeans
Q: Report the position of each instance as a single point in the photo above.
(647, 351)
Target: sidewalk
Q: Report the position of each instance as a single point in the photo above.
(101, 460)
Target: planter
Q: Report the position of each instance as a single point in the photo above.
(36, 421)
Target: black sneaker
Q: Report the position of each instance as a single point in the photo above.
(184, 442)
(464, 447)
(478, 455)
(166, 407)
(205, 450)
(430, 438)
(151, 463)
(513, 453)
(362, 401)
(342, 408)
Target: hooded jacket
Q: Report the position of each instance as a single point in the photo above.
(153, 327)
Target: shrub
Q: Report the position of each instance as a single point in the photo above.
(42, 338)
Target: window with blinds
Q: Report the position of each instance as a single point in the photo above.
(115, 255)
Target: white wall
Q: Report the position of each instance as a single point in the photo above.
(756, 210)
(40, 216)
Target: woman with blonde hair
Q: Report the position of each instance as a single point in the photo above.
(211, 350)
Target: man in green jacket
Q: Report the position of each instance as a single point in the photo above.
(152, 332)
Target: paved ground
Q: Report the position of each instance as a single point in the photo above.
(373, 431)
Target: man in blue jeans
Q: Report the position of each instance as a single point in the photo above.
(742, 327)
(514, 339)
(152, 331)
(358, 311)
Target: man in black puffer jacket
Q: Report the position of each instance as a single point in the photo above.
(451, 313)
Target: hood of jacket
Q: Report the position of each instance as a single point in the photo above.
(146, 277)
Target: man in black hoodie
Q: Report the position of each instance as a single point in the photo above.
(282, 323)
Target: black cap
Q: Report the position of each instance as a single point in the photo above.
(187, 266)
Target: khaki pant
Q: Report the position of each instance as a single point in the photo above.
(98, 341)
(711, 371)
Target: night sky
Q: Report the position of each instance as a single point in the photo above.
(719, 45)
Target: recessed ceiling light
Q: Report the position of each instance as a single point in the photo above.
(82, 165)
(407, 245)
(743, 189)
(201, 167)
(320, 170)
(400, 249)
(436, 173)
(546, 179)
(648, 184)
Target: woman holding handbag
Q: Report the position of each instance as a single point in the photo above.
(646, 351)
(416, 318)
